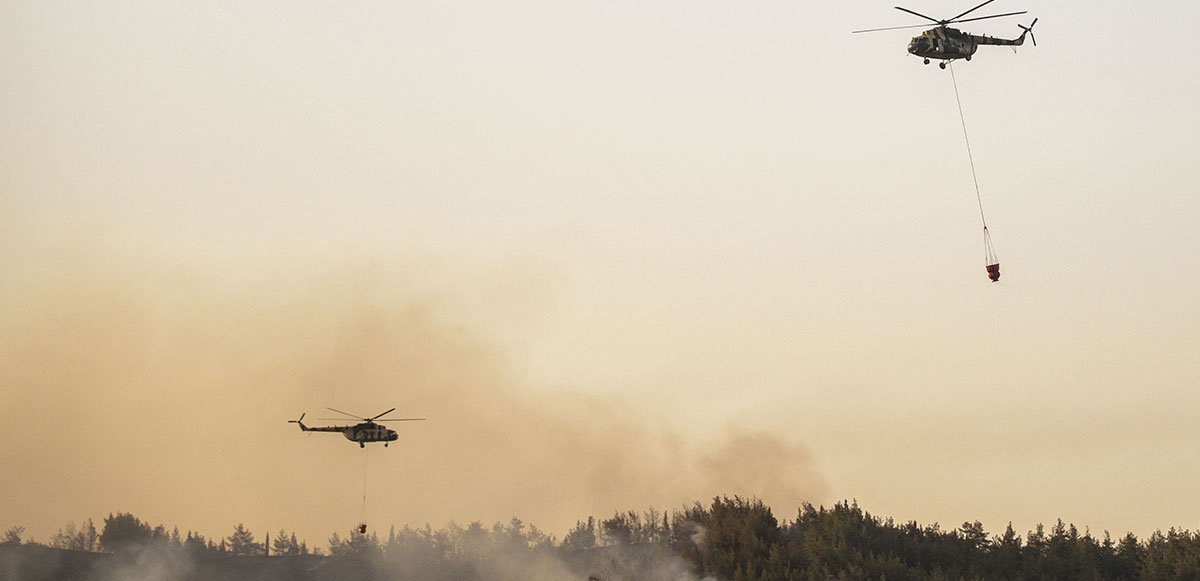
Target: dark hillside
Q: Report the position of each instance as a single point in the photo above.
(39, 563)
(36, 562)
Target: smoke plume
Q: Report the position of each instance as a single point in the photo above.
(164, 391)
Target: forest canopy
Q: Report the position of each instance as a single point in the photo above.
(734, 539)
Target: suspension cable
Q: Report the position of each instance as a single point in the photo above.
(989, 253)
(970, 158)
(363, 520)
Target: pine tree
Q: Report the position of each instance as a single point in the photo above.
(582, 537)
(13, 535)
(241, 542)
(123, 530)
(285, 546)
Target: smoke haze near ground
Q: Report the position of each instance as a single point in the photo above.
(159, 391)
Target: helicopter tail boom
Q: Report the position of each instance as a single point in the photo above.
(304, 428)
(1018, 41)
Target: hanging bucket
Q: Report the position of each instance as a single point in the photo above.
(362, 528)
(993, 271)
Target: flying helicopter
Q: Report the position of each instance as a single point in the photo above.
(946, 44)
(366, 431)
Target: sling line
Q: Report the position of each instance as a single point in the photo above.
(990, 259)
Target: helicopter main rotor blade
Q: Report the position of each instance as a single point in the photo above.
(955, 19)
(346, 414)
(903, 9)
(992, 16)
(383, 414)
(889, 28)
(404, 420)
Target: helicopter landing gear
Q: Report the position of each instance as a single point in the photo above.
(362, 445)
(968, 57)
(926, 61)
(385, 444)
(943, 65)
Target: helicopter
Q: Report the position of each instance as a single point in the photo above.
(947, 43)
(367, 431)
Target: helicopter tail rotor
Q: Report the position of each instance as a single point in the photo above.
(1029, 30)
(300, 421)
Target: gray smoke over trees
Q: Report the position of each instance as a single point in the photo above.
(173, 368)
(84, 539)
(730, 539)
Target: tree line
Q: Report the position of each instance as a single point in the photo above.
(734, 539)
(123, 530)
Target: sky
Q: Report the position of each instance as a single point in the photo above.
(619, 255)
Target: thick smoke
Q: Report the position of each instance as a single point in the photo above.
(164, 392)
(144, 561)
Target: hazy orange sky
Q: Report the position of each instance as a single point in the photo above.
(619, 254)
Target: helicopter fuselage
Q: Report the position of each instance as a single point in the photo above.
(361, 433)
(945, 43)
(369, 432)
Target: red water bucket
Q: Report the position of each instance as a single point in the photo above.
(993, 271)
